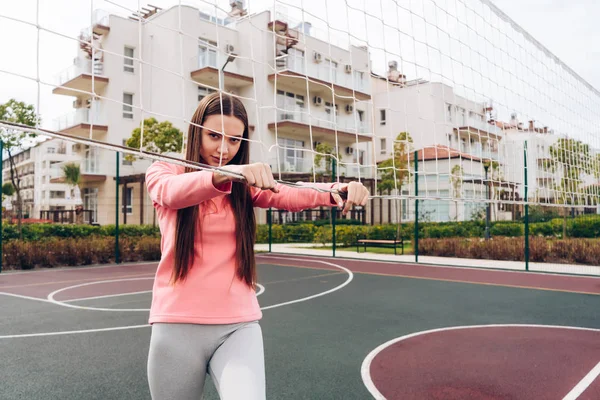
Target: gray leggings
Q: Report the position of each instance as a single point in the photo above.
(181, 355)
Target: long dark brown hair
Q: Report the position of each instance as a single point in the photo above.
(189, 221)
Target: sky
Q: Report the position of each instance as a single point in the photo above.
(459, 42)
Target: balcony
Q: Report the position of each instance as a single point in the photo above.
(78, 78)
(484, 130)
(295, 120)
(299, 162)
(205, 70)
(90, 171)
(100, 22)
(292, 71)
(79, 123)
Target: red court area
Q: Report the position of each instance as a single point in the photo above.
(504, 362)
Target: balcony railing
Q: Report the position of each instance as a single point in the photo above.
(323, 71)
(479, 125)
(77, 117)
(288, 110)
(327, 36)
(80, 66)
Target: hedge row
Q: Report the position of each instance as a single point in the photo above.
(42, 231)
(571, 251)
(587, 226)
(100, 250)
(74, 252)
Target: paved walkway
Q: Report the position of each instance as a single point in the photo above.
(311, 250)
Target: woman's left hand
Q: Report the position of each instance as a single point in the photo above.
(356, 195)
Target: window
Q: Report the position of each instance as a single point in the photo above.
(125, 162)
(207, 53)
(51, 150)
(204, 91)
(128, 60)
(383, 144)
(127, 105)
(291, 155)
(128, 201)
(57, 194)
(448, 112)
(382, 117)
(329, 111)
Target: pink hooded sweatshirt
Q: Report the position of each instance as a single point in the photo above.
(212, 293)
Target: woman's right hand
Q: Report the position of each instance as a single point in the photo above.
(258, 175)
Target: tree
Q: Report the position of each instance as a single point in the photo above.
(456, 178)
(572, 157)
(72, 174)
(159, 137)
(397, 166)
(15, 139)
(394, 171)
(324, 152)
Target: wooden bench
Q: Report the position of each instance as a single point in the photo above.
(380, 243)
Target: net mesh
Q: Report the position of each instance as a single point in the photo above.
(447, 102)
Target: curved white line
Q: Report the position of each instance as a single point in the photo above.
(51, 299)
(365, 369)
(62, 303)
(261, 289)
(346, 270)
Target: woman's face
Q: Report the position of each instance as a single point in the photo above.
(218, 150)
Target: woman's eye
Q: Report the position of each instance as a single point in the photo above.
(214, 135)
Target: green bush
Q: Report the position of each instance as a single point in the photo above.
(35, 232)
(585, 227)
(507, 229)
(323, 235)
(277, 234)
(299, 233)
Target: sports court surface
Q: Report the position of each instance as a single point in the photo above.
(333, 329)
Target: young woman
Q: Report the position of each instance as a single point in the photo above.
(204, 312)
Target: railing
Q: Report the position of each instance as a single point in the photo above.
(284, 216)
(288, 110)
(480, 125)
(306, 28)
(80, 66)
(323, 71)
(79, 116)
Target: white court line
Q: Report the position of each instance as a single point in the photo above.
(73, 269)
(260, 291)
(148, 325)
(62, 303)
(365, 369)
(106, 296)
(25, 297)
(583, 384)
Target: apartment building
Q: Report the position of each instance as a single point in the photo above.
(299, 92)
(37, 167)
(451, 132)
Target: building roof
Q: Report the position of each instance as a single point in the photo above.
(438, 152)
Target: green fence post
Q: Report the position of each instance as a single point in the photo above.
(1, 177)
(334, 208)
(270, 221)
(416, 241)
(117, 260)
(526, 211)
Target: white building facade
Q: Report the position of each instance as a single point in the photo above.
(299, 92)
